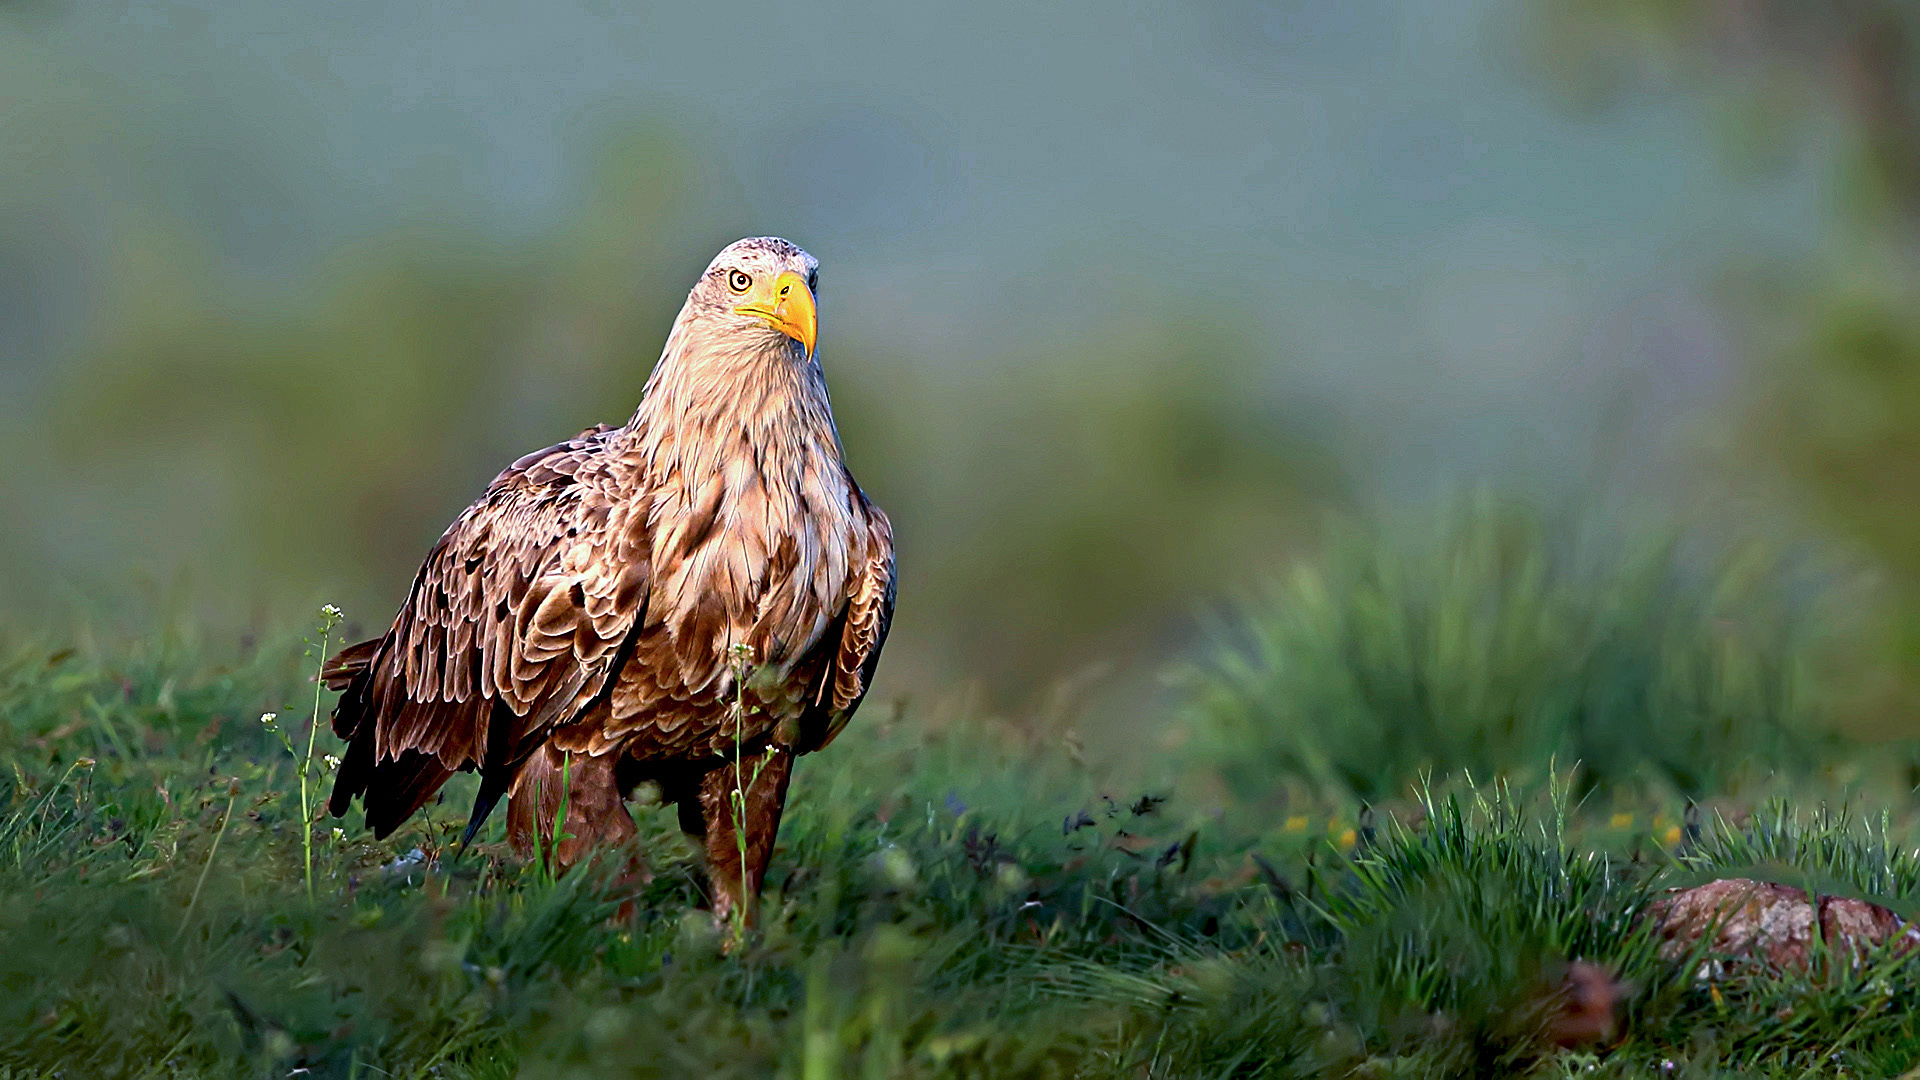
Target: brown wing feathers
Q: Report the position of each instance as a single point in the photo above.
(518, 622)
(868, 618)
(508, 630)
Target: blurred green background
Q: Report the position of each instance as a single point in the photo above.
(1122, 305)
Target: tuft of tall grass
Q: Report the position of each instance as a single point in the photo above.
(1497, 642)
(1452, 938)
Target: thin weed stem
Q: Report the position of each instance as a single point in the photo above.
(737, 798)
(329, 618)
(233, 792)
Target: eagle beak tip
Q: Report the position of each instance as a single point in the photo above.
(790, 310)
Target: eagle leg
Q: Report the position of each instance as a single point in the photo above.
(736, 869)
(596, 815)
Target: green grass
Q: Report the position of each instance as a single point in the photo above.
(1325, 891)
(944, 903)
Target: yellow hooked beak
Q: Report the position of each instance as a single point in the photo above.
(788, 308)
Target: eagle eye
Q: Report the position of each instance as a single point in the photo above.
(739, 281)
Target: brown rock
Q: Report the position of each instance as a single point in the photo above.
(1774, 924)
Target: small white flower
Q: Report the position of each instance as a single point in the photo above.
(330, 611)
(332, 762)
(339, 834)
(268, 718)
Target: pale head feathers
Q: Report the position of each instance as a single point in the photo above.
(708, 312)
(735, 438)
(721, 372)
